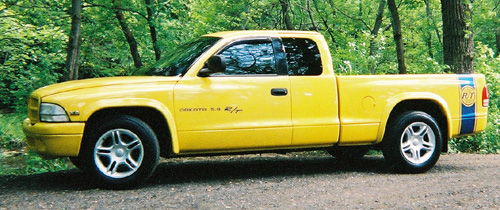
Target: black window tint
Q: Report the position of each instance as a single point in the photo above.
(249, 58)
(302, 56)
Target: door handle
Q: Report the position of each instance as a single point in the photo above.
(279, 91)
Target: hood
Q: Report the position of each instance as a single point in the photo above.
(100, 82)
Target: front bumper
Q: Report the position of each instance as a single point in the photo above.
(51, 140)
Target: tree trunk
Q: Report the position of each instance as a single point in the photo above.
(432, 23)
(152, 30)
(75, 41)
(398, 37)
(325, 22)
(128, 35)
(285, 6)
(309, 11)
(458, 43)
(430, 17)
(497, 41)
(428, 42)
(374, 33)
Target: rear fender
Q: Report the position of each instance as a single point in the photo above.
(420, 96)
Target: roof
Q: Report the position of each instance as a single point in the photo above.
(227, 34)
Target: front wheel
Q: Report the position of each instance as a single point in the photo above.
(121, 152)
(412, 143)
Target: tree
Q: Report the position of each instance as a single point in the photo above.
(497, 42)
(374, 33)
(430, 17)
(324, 20)
(309, 11)
(285, 6)
(398, 37)
(152, 29)
(75, 41)
(128, 35)
(433, 25)
(458, 45)
(497, 32)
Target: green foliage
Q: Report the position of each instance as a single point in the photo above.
(31, 163)
(35, 164)
(487, 141)
(11, 134)
(30, 58)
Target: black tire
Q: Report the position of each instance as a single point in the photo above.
(348, 153)
(121, 152)
(412, 142)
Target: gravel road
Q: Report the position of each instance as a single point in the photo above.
(292, 181)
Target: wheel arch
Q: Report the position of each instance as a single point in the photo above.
(161, 121)
(437, 108)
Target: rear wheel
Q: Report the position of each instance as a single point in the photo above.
(121, 152)
(412, 143)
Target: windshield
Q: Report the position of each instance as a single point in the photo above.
(177, 62)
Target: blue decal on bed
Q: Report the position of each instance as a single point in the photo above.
(468, 104)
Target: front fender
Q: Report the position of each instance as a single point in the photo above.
(135, 102)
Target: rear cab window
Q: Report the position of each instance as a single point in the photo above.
(303, 57)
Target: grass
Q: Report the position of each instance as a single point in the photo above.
(16, 159)
(11, 133)
(25, 163)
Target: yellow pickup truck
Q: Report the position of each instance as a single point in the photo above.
(250, 92)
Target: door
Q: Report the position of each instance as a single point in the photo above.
(244, 108)
(314, 94)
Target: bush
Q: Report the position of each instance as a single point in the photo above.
(28, 60)
(11, 134)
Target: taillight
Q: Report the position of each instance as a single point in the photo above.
(486, 99)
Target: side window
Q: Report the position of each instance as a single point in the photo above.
(303, 57)
(252, 57)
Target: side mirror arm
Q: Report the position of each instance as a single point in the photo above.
(205, 72)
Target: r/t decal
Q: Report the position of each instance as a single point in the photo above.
(468, 95)
(232, 110)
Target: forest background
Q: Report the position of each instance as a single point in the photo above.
(40, 45)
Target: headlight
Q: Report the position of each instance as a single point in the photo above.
(52, 113)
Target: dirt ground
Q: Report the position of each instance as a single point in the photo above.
(271, 181)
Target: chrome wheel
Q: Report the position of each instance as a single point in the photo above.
(418, 142)
(118, 153)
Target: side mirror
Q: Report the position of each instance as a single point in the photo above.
(215, 64)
